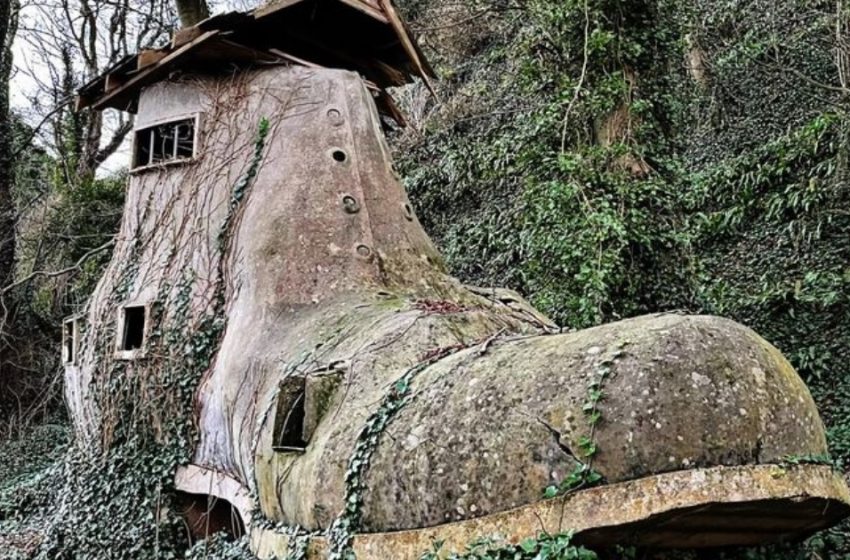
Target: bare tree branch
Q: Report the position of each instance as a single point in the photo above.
(55, 273)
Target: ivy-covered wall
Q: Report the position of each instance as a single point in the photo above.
(609, 159)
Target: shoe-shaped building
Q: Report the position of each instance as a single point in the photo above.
(344, 383)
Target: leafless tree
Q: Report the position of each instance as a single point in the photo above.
(69, 42)
(62, 44)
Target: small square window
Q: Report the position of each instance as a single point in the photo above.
(167, 142)
(133, 331)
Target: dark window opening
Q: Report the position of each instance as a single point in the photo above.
(133, 335)
(289, 423)
(208, 515)
(185, 133)
(172, 141)
(292, 436)
(69, 342)
(143, 148)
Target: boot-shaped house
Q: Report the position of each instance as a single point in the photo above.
(271, 278)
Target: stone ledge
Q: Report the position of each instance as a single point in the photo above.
(721, 506)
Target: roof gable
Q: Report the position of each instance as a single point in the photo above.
(367, 36)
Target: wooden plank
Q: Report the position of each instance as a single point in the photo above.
(409, 46)
(367, 9)
(114, 81)
(153, 71)
(386, 102)
(183, 36)
(295, 59)
(89, 92)
(273, 7)
(81, 102)
(148, 57)
(396, 76)
(224, 49)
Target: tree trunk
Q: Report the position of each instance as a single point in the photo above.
(192, 11)
(8, 27)
(9, 378)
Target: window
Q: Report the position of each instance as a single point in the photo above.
(133, 329)
(71, 332)
(68, 346)
(172, 141)
(289, 421)
(292, 434)
(302, 402)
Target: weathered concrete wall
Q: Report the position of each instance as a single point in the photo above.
(492, 431)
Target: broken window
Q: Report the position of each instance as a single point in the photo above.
(302, 402)
(172, 141)
(133, 329)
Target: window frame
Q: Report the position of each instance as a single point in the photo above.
(136, 353)
(312, 392)
(292, 391)
(75, 322)
(196, 117)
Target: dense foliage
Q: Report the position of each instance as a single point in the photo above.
(63, 240)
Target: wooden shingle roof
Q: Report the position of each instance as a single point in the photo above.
(367, 36)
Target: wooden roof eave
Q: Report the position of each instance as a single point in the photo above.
(273, 8)
(151, 73)
(119, 86)
(425, 71)
(94, 87)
